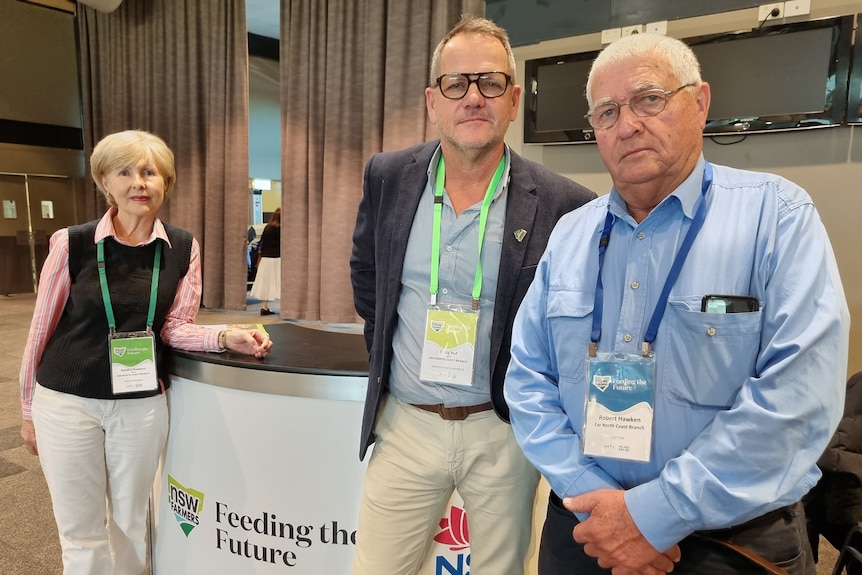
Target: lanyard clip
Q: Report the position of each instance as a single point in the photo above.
(645, 349)
(593, 348)
(604, 241)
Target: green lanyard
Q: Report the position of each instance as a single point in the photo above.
(483, 221)
(106, 297)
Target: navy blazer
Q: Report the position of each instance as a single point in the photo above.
(392, 187)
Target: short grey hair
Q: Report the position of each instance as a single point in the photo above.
(679, 57)
(470, 24)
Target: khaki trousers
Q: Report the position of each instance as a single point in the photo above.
(418, 460)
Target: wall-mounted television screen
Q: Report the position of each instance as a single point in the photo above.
(554, 100)
(783, 77)
(854, 96)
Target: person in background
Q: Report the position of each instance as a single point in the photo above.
(267, 282)
(678, 363)
(834, 506)
(446, 241)
(113, 293)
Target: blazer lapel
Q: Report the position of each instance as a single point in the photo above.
(407, 188)
(521, 206)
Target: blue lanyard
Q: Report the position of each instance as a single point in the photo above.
(673, 275)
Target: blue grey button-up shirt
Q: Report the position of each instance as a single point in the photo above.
(459, 243)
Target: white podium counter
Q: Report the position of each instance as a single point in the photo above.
(261, 472)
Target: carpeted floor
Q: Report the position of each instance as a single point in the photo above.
(28, 539)
(28, 536)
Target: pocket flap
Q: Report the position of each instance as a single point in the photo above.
(569, 303)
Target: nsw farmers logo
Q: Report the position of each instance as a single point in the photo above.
(186, 503)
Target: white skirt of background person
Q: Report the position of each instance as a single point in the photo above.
(99, 458)
(267, 282)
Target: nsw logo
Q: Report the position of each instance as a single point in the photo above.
(437, 325)
(454, 535)
(186, 503)
(454, 532)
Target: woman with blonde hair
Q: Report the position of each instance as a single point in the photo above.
(112, 294)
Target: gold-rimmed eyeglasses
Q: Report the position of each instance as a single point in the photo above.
(643, 105)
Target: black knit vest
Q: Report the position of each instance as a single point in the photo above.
(76, 359)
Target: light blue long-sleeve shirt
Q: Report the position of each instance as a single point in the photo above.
(459, 253)
(744, 403)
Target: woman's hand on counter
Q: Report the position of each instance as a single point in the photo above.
(248, 341)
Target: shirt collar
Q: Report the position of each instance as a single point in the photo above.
(504, 181)
(105, 228)
(687, 193)
(690, 191)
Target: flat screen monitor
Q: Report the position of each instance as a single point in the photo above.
(854, 96)
(554, 99)
(783, 77)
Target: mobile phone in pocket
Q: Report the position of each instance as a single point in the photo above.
(729, 304)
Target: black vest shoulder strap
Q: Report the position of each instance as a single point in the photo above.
(182, 240)
(78, 236)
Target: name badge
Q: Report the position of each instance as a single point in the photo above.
(448, 353)
(133, 362)
(618, 418)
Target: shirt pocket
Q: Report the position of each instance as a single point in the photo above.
(709, 355)
(570, 322)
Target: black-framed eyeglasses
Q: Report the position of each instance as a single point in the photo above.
(455, 85)
(643, 105)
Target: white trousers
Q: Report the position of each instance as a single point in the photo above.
(99, 458)
(418, 460)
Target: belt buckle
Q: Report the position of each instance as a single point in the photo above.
(454, 413)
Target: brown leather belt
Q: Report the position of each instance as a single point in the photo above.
(723, 536)
(455, 413)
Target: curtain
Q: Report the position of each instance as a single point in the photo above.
(353, 74)
(179, 69)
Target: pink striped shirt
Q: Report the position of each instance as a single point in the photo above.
(180, 330)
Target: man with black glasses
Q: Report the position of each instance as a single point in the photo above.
(446, 242)
(678, 364)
